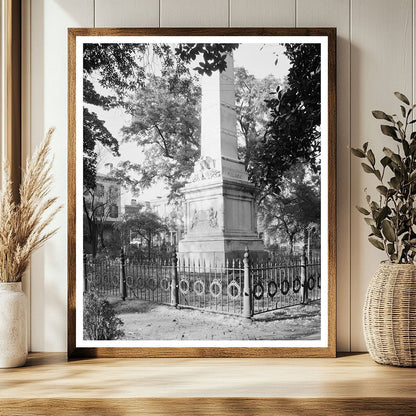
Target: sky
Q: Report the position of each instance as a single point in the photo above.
(257, 59)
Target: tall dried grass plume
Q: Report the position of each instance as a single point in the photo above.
(24, 224)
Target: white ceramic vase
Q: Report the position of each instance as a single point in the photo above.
(13, 325)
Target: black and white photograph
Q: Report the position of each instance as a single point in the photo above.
(202, 191)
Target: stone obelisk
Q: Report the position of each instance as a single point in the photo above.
(220, 214)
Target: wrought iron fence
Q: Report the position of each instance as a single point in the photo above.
(214, 288)
(278, 285)
(239, 287)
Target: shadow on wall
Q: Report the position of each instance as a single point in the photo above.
(49, 20)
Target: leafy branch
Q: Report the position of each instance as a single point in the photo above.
(392, 218)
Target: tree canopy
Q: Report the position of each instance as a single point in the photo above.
(293, 132)
(114, 66)
(166, 127)
(252, 112)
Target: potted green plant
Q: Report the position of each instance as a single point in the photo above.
(23, 229)
(389, 316)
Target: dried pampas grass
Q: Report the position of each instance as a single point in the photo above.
(23, 225)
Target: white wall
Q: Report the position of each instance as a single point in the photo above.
(375, 58)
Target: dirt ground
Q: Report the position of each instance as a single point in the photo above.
(144, 320)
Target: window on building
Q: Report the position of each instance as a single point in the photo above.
(113, 211)
(99, 212)
(112, 192)
(99, 190)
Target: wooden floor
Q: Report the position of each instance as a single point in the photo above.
(347, 385)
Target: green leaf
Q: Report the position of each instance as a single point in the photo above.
(394, 182)
(378, 174)
(374, 205)
(393, 156)
(406, 147)
(357, 152)
(367, 168)
(412, 176)
(388, 230)
(382, 189)
(362, 210)
(381, 115)
(402, 97)
(376, 243)
(389, 131)
(365, 145)
(388, 152)
(382, 214)
(390, 248)
(403, 111)
(371, 158)
(376, 231)
(385, 161)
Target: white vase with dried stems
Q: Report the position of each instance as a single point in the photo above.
(23, 228)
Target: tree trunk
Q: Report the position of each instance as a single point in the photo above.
(94, 239)
(102, 236)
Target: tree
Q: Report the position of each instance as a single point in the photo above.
(98, 207)
(252, 112)
(166, 126)
(119, 68)
(293, 132)
(115, 66)
(95, 132)
(145, 224)
(295, 208)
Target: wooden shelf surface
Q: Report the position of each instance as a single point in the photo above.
(310, 386)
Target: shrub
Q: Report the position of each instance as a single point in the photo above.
(100, 320)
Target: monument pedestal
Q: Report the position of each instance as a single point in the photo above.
(220, 221)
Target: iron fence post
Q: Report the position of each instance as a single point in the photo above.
(174, 284)
(123, 283)
(303, 281)
(247, 290)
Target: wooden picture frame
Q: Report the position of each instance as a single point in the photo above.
(327, 342)
(12, 93)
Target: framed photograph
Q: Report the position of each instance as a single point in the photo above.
(201, 192)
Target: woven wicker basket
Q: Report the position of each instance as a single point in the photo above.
(390, 315)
